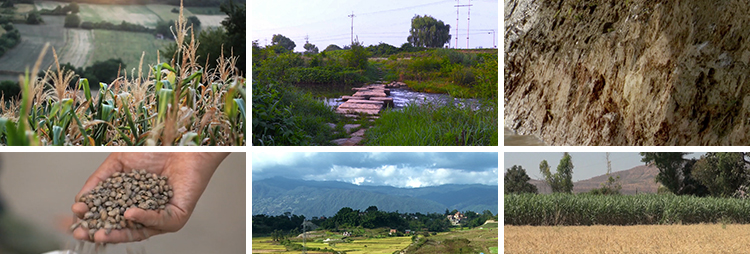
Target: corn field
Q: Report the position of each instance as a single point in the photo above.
(176, 103)
(585, 209)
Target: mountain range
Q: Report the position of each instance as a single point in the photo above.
(639, 179)
(277, 195)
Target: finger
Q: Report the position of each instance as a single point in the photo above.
(81, 234)
(79, 209)
(125, 235)
(106, 169)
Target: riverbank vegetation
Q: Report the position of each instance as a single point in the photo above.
(287, 82)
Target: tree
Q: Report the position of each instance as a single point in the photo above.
(562, 181)
(332, 47)
(721, 173)
(9, 89)
(372, 209)
(310, 48)
(72, 20)
(236, 31)
(427, 31)
(675, 173)
(517, 181)
(283, 41)
(33, 18)
(356, 57)
(74, 8)
(194, 22)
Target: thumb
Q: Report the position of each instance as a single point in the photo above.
(162, 220)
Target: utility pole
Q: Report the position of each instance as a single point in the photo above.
(352, 16)
(467, 32)
(468, 20)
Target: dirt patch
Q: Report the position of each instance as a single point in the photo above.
(628, 72)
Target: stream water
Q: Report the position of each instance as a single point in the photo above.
(404, 96)
(513, 139)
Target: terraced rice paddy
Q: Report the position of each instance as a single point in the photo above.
(699, 238)
(373, 246)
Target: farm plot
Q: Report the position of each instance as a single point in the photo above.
(698, 238)
(48, 5)
(77, 47)
(24, 8)
(116, 14)
(211, 20)
(126, 45)
(165, 11)
(374, 246)
(33, 38)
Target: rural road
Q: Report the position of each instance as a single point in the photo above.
(41, 188)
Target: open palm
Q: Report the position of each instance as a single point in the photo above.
(188, 176)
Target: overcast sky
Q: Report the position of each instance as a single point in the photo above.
(391, 169)
(326, 22)
(585, 165)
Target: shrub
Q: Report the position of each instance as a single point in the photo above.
(9, 89)
(72, 20)
(463, 76)
(356, 57)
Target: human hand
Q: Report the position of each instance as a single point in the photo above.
(188, 173)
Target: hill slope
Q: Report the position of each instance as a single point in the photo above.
(277, 195)
(639, 179)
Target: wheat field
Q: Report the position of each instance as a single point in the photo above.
(697, 238)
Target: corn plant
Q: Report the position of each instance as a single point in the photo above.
(173, 104)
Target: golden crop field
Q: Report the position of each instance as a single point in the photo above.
(698, 238)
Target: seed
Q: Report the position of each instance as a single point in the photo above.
(108, 201)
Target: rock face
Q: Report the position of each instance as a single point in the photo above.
(636, 72)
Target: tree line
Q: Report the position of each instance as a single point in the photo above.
(716, 174)
(348, 218)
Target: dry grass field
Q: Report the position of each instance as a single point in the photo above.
(699, 238)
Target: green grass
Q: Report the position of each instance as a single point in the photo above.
(165, 11)
(137, 14)
(126, 45)
(585, 209)
(205, 10)
(479, 240)
(433, 125)
(358, 246)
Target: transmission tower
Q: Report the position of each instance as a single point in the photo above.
(352, 16)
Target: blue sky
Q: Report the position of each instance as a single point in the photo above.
(586, 165)
(391, 169)
(326, 22)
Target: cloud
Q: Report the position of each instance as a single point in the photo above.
(393, 169)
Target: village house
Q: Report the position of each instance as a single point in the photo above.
(456, 218)
(393, 231)
(347, 234)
